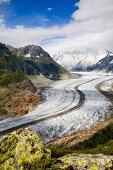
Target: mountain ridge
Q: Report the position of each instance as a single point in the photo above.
(84, 60)
(31, 60)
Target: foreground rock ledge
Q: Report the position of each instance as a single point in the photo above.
(24, 150)
(21, 150)
(90, 162)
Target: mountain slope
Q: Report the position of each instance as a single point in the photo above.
(85, 60)
(87, 57)
(12, 62)
(17, 94)
(105, 64)
(36, 56)
(29, 60)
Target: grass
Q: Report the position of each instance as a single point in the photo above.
(7, 77)
(58, 151)
(100, 142)
(9, 88)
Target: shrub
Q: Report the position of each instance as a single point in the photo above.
(58, 151)
(7, 77)
(101, 142)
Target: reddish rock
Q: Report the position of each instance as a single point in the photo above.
(23, 105)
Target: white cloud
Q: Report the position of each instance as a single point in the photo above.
(90, 9)
(45, 19)
(50, 9)
(4, 1)
(2, 22)
(91, 27)
(2, 19)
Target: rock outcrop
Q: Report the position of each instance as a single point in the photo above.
(24, 150)
(87, 162)
(23, 105)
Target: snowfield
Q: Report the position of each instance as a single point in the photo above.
(70, 106)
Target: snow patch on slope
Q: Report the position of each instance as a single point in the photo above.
(27, 55)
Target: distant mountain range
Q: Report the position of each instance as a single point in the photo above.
(87, 60)
(30, 60)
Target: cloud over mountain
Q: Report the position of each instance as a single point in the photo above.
(91, 26)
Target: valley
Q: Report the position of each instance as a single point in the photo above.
(70, 106)
(56, 85)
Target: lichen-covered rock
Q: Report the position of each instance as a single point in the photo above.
(89, 162)
(23, 150)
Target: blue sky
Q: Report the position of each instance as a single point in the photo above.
(31, 13)
(57, 25)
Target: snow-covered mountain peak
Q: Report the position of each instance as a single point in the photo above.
(30, 51)
(70, 59)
